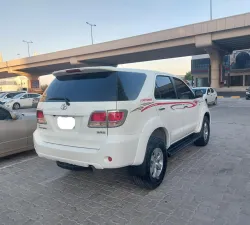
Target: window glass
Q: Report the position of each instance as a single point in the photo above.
(4, 114)
(18, 96)
(25, 96)
(208, 91)
(96, 87)
(164, 88)
(212, 90)
(236, 80)
(183, 90)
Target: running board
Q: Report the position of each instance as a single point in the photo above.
(176, 147)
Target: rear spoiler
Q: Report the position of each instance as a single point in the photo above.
(84, 70)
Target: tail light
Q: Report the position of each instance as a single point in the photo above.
(40, 117)
(107, 119)
(98, 119)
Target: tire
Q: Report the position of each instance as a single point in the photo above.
(204, 133)
(215, 101)
(72, 167)
(150, 177)
(16, 106)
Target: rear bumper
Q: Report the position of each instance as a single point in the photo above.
(122, 151)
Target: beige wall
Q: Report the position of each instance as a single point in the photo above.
(21, 82)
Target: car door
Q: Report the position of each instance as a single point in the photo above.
(31, 97)
(188, 107)
(24, 100)
(13, 133)
(213, 94)
(165, 99)
(209, 96)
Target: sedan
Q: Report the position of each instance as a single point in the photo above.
(16, 131)
(209, 94)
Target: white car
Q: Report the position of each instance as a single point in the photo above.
(23, 100)
(209, 94)
(107, 117)
(7, 96)
(16, 131)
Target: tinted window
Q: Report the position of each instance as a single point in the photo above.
(183, 90)
(18, 96)
(164, 88)
(11, 95)
(25, 96)
(102, 86)
(4, 114)
(212, 90)
(200, 89)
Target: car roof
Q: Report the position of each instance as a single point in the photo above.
(104, 69)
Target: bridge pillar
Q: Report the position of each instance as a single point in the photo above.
(216, 61)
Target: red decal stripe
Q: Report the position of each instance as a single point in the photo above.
(192, 104)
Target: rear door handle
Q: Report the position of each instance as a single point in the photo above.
(161, 109)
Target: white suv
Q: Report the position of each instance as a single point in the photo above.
(107, 117)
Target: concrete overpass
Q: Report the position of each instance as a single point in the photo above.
(216, 37)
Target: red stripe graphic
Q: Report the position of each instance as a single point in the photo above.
(188, 104)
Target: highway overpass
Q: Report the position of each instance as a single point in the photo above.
(215, 37)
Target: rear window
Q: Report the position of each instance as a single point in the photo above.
(93, 87)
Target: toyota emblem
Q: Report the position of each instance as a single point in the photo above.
(64, 107)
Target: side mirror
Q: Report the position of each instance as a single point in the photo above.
(198, 94)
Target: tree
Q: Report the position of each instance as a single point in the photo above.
(44, 87)
(188, 76)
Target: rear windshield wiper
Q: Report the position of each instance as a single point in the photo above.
(65, 99)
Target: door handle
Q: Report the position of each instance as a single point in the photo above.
(161, 109)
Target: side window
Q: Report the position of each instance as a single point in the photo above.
(164, 88)
(208, 91)
(25, 96)
(212, 90)
(183, 90)
(4, 114)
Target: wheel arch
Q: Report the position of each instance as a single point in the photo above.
(205, 114)
(154, 126)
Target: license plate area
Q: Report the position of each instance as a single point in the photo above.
(66, 123)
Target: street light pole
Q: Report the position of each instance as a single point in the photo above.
(91, 25)
(211, 10)
(28, 44)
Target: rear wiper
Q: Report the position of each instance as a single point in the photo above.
(65, 99)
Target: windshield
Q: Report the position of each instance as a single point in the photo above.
(18, 96)
(2, 95)
(94, 87)
(204, 90)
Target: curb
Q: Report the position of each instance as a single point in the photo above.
(234, 97)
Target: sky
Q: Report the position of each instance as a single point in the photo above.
(61, 24)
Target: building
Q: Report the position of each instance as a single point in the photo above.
(235, 71)
(13, 84)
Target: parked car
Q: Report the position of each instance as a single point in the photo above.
(23, 100)
(6, 96)
(16, 131)
(209, 94)
(248, 93)
(108, 117)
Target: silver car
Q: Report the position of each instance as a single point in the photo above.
(16, 131)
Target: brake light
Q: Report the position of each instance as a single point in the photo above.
(107, 119)
(40, 117)
(73, 71)
(116, 119)
(98, 119)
